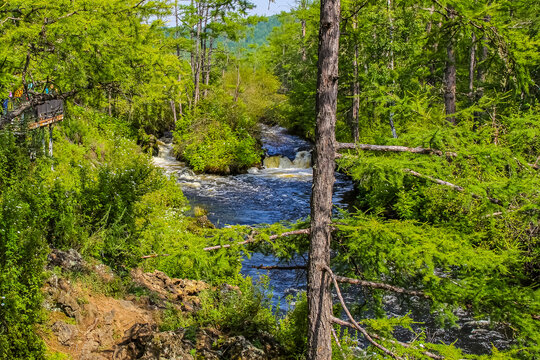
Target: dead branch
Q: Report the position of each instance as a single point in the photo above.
(342, 279)
(353, 324)
(356, 325)
(337, 342)
(394, 148)
(383, 286)
(154, 256)
(9, 18)
(277, 267)
(446, 183)
(375, 336)
(535, 165)
(52, 21)
(252, 239)
(498, 213)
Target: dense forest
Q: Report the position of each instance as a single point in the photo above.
(429, 108)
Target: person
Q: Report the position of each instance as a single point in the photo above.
(5, 103)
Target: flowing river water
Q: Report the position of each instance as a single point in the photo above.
(280, 191)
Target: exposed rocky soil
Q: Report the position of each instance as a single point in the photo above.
(87, 325)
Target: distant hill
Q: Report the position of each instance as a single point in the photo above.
(257, 34)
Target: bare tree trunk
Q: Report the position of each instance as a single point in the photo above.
(237, 88)
(482, 68)
(303, 7)
(204, 57)
(176, 34)
(51, 144)
(198, 61)
(173, 108)
(355, 91)
(304, 57)
(208, 67)
(192, 53)
(450, 75)
(391, 20)
(472, 66)
(318, 289)
(495, 126)
(180, 110)
(110, 103)
(429, 27)
(50, 140)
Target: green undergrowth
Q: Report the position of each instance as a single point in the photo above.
(106, 200)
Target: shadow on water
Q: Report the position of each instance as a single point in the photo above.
(280, 191)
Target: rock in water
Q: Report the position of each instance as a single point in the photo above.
(271, 162)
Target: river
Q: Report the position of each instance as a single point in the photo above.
(280, 191)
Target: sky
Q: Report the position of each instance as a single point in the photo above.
(275, 7)
(261, 8)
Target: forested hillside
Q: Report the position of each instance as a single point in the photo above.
(429, 109)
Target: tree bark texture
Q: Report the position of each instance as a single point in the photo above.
(450, 75)
(237, 88)
(318, 289)
(355, 92)
(394, 148)
(304, 56)
(392, 104)
(173, 108)
(208, 67)
(198, 60)
(472, 66)
(303, 6)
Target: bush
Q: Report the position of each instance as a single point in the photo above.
(220, 138)
(24, 212)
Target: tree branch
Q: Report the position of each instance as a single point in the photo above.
(346, 280)
(9, 18)
(52, 21)
(337, 342)
(277, 267)
(353, 324)
(154, 256)
(394, 148)
(356, 325)
(383, 286)
(446, 183)
(252, 239)
(375, 336)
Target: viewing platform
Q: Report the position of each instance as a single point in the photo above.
(45, 114)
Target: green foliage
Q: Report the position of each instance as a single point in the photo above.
(244, 310)
(292, 329)
(220, 138)
(103, 198)
(24, 204)
(221, 150)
